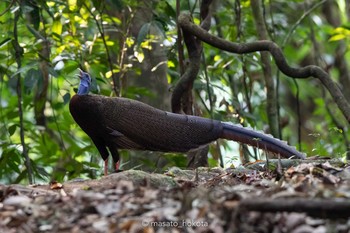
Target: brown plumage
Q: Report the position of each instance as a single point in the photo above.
(120, 123)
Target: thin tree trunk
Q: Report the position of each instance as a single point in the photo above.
(265, 59)
(19, 54)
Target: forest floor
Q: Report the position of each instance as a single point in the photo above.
(309, 197)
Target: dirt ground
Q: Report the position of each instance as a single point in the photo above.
(310, 196)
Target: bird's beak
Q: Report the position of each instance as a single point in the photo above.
(80, 75)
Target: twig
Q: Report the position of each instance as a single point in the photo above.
(297, 104)
(299, 21)
(8, 8)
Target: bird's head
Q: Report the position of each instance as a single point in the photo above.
(85, 82)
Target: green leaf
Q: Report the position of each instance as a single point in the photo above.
(169, 10)
(12, 114)
(31, 79)
(33, 11)
(57, 27)
(97, 3)
(12, 129)
(66, 98)
(162, 28)
(35, 32)
(5, 42)
(337, 37)
(143, 33)
(9, 158)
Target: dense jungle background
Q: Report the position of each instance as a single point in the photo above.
(135, 49)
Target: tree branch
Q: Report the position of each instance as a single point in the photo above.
(319, 208)
(182, 95)
(276, 52)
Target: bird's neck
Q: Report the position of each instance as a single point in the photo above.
(83, 89)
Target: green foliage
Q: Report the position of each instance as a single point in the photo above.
(57, 37)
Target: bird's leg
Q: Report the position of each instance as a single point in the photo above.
(117, 165)
(106, 167)
(115, 155)
(103, 151)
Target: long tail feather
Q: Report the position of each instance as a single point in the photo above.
(259, 140)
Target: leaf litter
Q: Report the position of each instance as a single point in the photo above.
(309, 197)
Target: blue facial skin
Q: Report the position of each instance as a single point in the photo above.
(85, 82)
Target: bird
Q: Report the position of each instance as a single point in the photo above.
(115, 123)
